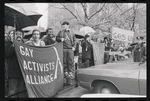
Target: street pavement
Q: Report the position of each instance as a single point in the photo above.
(74, 92)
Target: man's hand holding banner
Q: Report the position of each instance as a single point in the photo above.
(42, 68)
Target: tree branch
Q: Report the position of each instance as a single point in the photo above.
(100, 24)
(94, 5)
(128, 9)
(132, 28)
(70, 11)
(85, 11)
(118, 7)
(130, 16)
(96, 12)
(78, 14)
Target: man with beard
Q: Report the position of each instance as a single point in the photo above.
(50, 37)
(15, 77)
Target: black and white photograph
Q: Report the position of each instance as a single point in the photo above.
(75, 50)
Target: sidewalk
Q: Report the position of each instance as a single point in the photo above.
(64, 89)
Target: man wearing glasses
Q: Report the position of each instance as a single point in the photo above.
(50, 37)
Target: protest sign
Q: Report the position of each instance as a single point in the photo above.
(122, 35)
(42, 68)
(98, 52)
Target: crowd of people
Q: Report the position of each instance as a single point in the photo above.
(139, 50)
(135, 50)
(77, 53)
(13, 76)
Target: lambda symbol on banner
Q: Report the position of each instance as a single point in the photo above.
(58, 61)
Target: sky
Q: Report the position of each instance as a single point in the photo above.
(43, 9)
(130, 4)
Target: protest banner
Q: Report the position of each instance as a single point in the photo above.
(122, 35)
(98, 52)
(42, 68)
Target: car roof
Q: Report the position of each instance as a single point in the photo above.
(124, 66)
(112, 96)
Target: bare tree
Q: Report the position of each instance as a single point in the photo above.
(101, 14)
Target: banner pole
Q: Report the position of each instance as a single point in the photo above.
(15, 26)
(15, 22)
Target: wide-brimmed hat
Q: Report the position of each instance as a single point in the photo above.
(65, 23)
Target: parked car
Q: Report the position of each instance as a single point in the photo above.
(115, 78)
(112, 96)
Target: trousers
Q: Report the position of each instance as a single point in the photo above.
(68, 60)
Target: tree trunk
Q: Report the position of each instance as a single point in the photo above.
(132, 28)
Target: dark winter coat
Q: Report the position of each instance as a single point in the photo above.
(14, 70)
(76, 52)
(48, 40)
(142, 52)
(86, 49)
(67, 44)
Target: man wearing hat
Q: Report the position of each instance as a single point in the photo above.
(142, 49)
(139, 50)
(68, 38)
(87, 52)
